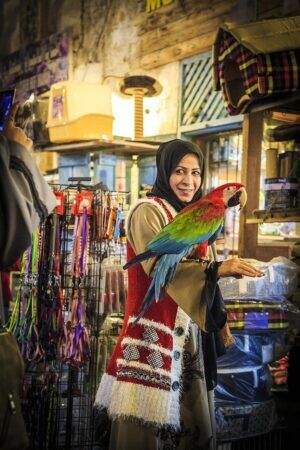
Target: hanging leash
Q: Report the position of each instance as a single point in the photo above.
(24, 318)
(77, 348)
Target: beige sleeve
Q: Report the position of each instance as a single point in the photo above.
(186, 287)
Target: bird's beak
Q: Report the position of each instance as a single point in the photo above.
(238, 198)
(243, 197)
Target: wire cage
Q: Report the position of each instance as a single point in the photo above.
(274, 440)
(63, 300)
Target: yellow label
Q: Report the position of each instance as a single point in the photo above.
(152, 5)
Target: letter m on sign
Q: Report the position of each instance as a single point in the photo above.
(152, 5)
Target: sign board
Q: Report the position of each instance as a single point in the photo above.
(37, 66)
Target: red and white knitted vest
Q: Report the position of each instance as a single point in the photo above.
(142, 379)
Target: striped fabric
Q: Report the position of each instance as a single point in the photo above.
(262, 74)
(279, 72)
(230, 49)
(258, 316)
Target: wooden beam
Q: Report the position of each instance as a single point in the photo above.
(179, 31)
(269, 9)
(273, 219)
(176, 32)
(181, 10)
(250, 177)
(179, 51)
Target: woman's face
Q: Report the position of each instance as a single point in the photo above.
(185, 179)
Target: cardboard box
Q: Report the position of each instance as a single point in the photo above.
(79, 111)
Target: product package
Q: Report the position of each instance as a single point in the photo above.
(254, 350)
(280, 281)
(251, 315)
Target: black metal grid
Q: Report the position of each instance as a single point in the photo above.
(57, 398)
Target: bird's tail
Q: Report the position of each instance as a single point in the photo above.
(162, 277)
(139, 258)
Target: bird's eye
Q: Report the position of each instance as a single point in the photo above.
(229, 188)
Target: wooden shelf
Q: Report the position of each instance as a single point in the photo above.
(274, 215)
(286, 117)
(121, 147)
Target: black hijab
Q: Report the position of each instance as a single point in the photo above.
(168, 156)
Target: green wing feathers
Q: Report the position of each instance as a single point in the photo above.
(189, 227)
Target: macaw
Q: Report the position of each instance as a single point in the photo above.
(197, 223)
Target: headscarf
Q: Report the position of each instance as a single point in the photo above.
(168, 156)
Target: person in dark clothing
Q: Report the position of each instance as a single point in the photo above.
(25, 201)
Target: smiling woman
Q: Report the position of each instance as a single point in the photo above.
(180, 165)
(185, 179)
(158, 386)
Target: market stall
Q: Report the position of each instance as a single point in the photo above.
(256, 69)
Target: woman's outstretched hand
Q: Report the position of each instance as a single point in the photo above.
(238, 268)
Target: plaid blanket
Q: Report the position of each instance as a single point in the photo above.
(262, 74)
(278, 72)
(260, 316)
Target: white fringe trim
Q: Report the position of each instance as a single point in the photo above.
(142, 366)
(151, 323)
(140, 343)
(170, 208)
(103, 396)
(142, 402)
(148, 404)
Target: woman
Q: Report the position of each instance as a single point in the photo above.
(156, 388)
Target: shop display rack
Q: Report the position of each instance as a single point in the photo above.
(275, 215)
(59, 313)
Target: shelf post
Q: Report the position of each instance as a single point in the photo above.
(134, 183)
(250, 177)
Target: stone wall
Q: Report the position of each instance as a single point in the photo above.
(105, 48)
(116, 38)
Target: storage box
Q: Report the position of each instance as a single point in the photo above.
(79, 111)
(281, 193)
(241, 421)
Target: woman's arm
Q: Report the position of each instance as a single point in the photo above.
(189, 280)
(236, 267)
(186, 287)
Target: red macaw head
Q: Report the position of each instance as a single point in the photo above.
(232, 194)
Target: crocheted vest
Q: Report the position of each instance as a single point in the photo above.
(142, 379)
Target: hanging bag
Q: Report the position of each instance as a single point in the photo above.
(12, 428)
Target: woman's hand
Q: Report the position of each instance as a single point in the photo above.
(238, 268)
(13, 133)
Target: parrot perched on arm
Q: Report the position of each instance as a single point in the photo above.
(197, 223)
